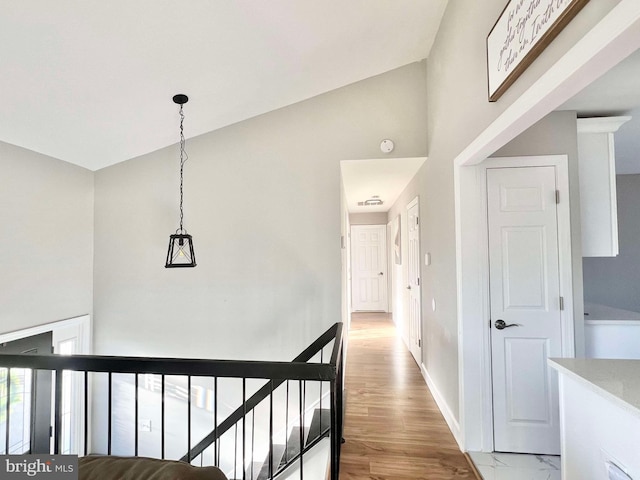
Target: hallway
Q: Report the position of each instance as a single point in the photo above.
(393, 428)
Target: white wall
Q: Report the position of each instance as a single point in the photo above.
(46, 239)
(262, 201)
(369, 218)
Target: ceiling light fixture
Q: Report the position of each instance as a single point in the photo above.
(180, 252)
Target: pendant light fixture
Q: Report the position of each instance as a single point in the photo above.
(180, 252)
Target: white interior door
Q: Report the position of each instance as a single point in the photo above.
(413, 280)
(525, 297)
(369, 267)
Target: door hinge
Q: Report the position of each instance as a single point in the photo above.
(419, 343)
(50, 431)
(417, 221)
(52, 349)
(418, 282)
(557, 196)
(561, 303)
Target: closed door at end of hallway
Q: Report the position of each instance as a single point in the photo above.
(369, 268)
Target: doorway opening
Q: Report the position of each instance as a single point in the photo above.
(616, 38)
(26, 395)
(393, 183)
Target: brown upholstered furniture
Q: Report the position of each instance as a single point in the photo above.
(94, 467)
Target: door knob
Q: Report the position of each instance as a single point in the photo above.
(501, 325)
(409, 287)
(381, 273)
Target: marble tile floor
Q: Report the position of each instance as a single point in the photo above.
(515, 466)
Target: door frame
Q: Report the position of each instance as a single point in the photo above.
(77, 327)
(414, 203)
(386, 264)
(565, 264)
(478, 336)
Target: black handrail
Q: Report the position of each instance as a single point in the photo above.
(335, 332)
(296, 370)
(276, 373)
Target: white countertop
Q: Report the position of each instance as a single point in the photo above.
(616, 380)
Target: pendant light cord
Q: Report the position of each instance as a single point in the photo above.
(183, 159)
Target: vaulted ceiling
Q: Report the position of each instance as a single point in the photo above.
(91, 81)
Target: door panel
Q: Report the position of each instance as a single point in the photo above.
(525, 295)
(369, 273)
(415, 309)
(30, 405)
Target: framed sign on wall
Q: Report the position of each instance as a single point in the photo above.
(522, 32)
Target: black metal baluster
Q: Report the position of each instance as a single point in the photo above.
(271, 430)
(321, 382)
(216, 444)
(235, 451)
(253, 438)
(109, 413)
(162, 408)
(335, 441)
(136, 415)
(57, 440)
(86, 412)
(340, 404)
(189, 419)
(7, 381)
(244, 427)
(301, 429)
(286, 426)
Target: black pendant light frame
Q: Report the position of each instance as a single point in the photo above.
(180, 253)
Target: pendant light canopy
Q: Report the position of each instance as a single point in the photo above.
(180, 252)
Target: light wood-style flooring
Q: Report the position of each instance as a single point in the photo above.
(393, 428)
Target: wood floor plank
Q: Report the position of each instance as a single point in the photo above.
(393, 428)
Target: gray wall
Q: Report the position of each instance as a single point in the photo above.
(371, 218)
(615, 281)
(458, 112)
(262, 200)
(46, 239)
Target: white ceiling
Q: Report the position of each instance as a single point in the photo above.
(617, 92)
(91, 81)
(387, 178)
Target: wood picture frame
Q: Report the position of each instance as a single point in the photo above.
(521, 33)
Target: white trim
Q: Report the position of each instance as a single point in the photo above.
(413, 202)
(615, 37)
(78, 328)
(561, 164)
(390, 269)
(448, 415)
(82, 323)
(382, 226)
(601, 124)
(473, 279)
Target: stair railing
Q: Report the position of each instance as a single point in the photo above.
(300, 370)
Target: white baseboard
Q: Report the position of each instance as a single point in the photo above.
(448, 415)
